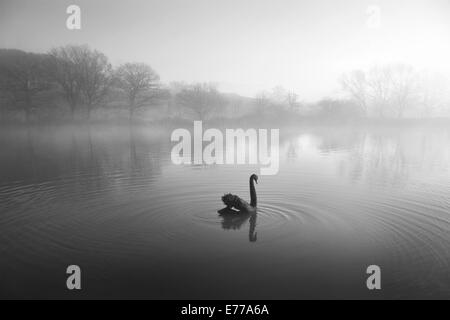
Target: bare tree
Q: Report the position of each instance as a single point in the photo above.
(139, 82)
(404, 88)
(23, 75)
(432, 93)
(355, 84)
(380, 92)
(67, 73)
(202, 99)
(95, 76)
(387, 90)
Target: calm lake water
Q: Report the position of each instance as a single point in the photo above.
(110, 200)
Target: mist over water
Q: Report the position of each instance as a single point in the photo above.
(109, 199)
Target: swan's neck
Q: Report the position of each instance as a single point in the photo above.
(252, 193)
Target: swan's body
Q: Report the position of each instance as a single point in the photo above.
(234, 201)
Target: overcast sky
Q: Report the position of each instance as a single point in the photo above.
(243, 45)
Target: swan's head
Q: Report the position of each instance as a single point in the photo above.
(254, 177)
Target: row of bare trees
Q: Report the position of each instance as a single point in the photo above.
(201, 99)
(395, 90)
(386, 91)
(270, 102)
(84, 76)
(85, 79)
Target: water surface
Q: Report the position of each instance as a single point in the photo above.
(109, 200)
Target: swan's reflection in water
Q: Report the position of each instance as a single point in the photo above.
(234, 220)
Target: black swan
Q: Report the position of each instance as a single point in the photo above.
(234, 219)
(233, 201)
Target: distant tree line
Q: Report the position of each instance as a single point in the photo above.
(397, 91)
(82, 76)
(75, 80)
